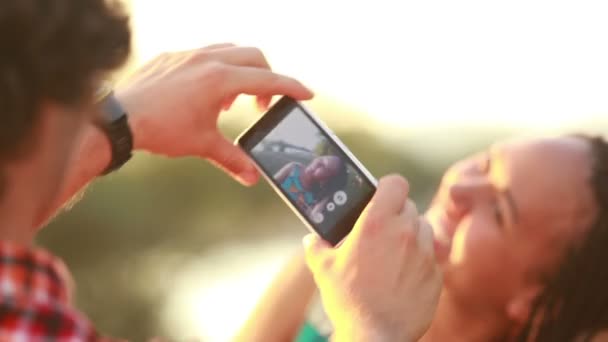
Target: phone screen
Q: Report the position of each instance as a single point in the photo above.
(311, 170)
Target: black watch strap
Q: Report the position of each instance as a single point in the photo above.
(121, 141)
(115, 125)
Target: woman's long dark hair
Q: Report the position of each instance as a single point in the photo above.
(574, 305)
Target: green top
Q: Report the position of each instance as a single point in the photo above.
(309, 333)
(317, 327)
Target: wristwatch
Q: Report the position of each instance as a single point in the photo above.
(114, 122)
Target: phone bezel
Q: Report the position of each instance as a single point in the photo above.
(265, 124)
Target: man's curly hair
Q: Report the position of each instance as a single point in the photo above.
(53, 50)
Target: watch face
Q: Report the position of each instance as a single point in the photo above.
(112, 109)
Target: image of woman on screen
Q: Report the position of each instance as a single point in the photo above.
(311, 186)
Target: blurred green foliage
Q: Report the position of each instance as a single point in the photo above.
(174, 211)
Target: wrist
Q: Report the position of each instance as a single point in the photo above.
(95, 153)
(137, 123)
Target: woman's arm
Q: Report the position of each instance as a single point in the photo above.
(282, 309)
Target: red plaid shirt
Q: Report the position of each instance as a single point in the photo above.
(35, 289)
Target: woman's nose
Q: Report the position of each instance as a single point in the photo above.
(466, 191)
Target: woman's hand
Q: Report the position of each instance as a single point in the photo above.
(382, 283)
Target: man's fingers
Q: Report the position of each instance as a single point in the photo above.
(426, 238)
(217, 46)
(261, 82)
(237, 56)
(231, 159)
(263, 102)
(228, 103)
(319, 254)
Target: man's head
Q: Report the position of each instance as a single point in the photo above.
(511, 219)
(54, 55)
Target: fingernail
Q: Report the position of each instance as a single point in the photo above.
(310, 92)
(249, 176)
(308, 240)
(263, 104)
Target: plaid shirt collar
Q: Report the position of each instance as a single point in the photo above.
(33, 273)
(35, 298)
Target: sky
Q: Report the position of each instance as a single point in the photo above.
(424, 64)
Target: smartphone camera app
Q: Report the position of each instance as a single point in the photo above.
(312, 172)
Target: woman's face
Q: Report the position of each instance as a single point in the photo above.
(323, 168)
(504, 217)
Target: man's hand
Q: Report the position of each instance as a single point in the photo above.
(175, 100)
(382, 283)
(174, 103)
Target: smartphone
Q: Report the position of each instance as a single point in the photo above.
(310, 168)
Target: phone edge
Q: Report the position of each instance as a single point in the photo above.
(329, 133)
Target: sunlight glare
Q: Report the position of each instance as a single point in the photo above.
(214, 295)
(421, 64)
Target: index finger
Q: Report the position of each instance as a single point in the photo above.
(391, 196)
(233, 55)
(262, 82)
(388, 202)
(217, 46)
